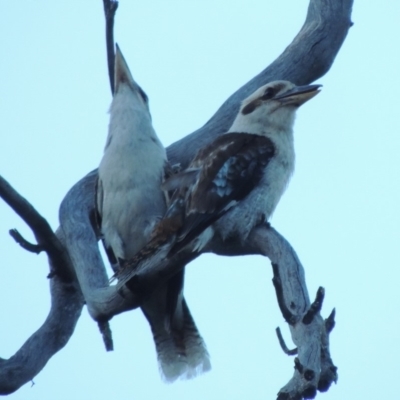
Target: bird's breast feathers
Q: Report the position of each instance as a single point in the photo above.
(129, 198)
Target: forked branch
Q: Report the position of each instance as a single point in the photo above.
(66, 300)
(47, 240)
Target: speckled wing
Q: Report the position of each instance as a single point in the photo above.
(228, 170)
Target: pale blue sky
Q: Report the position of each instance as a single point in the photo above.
(340, 211)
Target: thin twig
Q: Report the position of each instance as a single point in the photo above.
(315, 306)
(285, 349)
(44, 235)
(330, 321)
(106, 333)
(33, 248)
(110, 8)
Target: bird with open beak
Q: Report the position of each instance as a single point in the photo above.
(234, 183)
(130, 203)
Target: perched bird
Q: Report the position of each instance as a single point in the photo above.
(234, 183)
(130, 202)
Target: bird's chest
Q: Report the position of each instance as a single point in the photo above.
(132, 200)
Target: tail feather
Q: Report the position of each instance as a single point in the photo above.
(181, 351)
(197, 357)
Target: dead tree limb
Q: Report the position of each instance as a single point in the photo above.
(45, 236)
(307, 58)
(110, 8)
(314, 368)
(66, 300)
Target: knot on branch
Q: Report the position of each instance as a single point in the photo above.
(110, 8)
(327, 377)
(308, 374)
(307, 393)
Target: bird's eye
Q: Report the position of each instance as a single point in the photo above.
(268, 94)
(249, 108)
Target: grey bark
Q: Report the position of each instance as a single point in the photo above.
(306, 59)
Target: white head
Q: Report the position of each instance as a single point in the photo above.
(130, 117)
(272, 107)
(124, 82)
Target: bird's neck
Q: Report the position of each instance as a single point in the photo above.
(130, 125)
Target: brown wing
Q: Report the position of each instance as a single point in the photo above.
(229, 169)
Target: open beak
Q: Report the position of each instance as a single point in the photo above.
(298, 95)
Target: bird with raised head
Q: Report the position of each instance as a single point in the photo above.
(130, 203)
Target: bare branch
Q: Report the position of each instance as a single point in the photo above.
(307, 58)
(330, 321)
(328, 369)
(283, 344)
(314, 368)
(315, 307)
(66, 307)
(310, 337)
(45, 236)
(110, 8)
(66, 297)
(105, 330)
(32, 248)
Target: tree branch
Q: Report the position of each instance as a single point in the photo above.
(314, 368)
(44, 235)
(33, 248)
(309, 56)
(110, 8)
(283, 344)
(66, 307)
(66, 299)
(315, 307)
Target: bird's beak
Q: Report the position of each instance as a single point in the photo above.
(298, 95)
(122, 74)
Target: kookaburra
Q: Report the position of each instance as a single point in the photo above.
(235, 182)
(130, 202)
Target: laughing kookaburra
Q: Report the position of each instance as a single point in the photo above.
(130, 203)
(234, 183)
